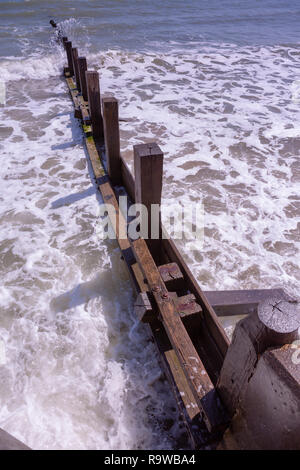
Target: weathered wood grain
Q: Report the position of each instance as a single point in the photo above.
(201, 385)
(169, 359)
(82, 66)
(93, 88)
(148, 170)
(75, 67)
(8, 442)
(172, 276)
(238, 302)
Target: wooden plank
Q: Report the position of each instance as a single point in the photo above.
(212, 322)
(185, 305)
(82, 67)
(68, 46)
(81, 106)
(112, 138)
(148, 170)
(93, 87)
(238, 302)
(172, 254)
(201, 385)
(273, 325)
(98, 168)
(118, 223)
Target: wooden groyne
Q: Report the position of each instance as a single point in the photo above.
(242, 394)
(238, 394)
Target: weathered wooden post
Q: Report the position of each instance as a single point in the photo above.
(275, 324)
(148, 170)
(75, 67)
(112, 138)
(93, 87)
(82, 66)
(68, 45)
(64, 40)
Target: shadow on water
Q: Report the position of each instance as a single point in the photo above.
(67, 200)
(99, 286)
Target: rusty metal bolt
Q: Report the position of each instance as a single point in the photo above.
(156, 289)
(165, 296)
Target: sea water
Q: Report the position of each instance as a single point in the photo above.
(216, 85)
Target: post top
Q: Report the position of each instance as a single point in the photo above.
(280, 314)
(145, 150)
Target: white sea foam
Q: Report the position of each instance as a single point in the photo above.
(227, 123)
(79, 371)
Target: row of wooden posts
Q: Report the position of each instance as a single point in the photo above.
(231, 365)
(105, 130)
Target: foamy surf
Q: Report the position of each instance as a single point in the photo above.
(78, 371)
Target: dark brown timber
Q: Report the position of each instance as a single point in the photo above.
(238, 302)
(82, 66)
(148, 170)
(68, 46)
(8, 442)
(203, 390)
(189, 408)
(75, 67)
(93, 87)
(112, 138)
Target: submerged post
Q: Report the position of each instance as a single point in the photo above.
(148, 170)
(68, 46)
(82, 66)
(112, 138)
(75, 67)
(93, 88)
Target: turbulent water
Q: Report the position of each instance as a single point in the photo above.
(215, 84)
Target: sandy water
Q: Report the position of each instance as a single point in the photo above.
(77, 371)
